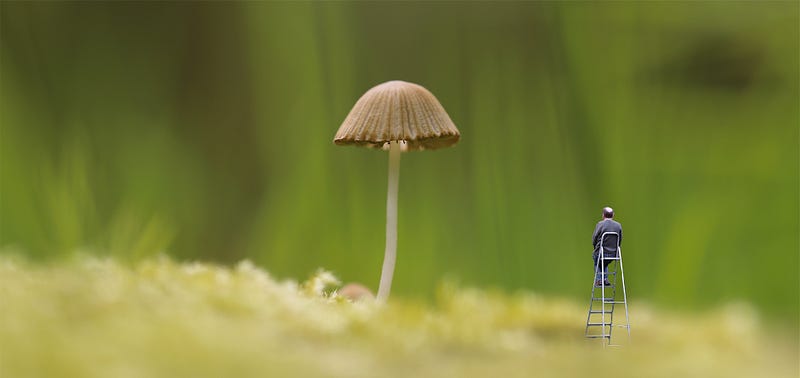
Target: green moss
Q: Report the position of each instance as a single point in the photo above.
(94, 317)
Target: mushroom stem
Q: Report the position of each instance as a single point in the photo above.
(391, 223)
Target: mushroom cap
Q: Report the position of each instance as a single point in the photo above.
(398, 111)
(355, 291)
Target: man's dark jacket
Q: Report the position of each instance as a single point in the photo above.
(610, 243)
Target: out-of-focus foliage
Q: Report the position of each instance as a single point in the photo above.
(97, 318)
(204, 130)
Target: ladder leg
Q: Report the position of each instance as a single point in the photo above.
(606, 340)
(591, 300)
(624, 295)
(614, 299)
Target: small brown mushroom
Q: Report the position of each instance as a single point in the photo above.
(399, 116)
(355, 292)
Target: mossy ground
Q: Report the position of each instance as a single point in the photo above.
(92, 317)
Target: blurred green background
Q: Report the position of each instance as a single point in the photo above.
(205, 130)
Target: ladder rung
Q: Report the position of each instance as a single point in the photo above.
(601, 311)
(598, 324)
(598, 336)
(607, 300)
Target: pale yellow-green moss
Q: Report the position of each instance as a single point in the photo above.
(98, 318)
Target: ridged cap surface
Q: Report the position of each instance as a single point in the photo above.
(398, 111)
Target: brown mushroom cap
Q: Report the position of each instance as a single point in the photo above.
(398, 111)
(355, 292)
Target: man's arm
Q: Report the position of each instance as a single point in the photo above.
(620, 236)
(596, 235)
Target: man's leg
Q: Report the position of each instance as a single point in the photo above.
(605, 271)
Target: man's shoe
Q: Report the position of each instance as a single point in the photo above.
(598, 283)
(606, 283)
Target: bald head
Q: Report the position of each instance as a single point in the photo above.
(608, 212)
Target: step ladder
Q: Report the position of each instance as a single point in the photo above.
(600, 320)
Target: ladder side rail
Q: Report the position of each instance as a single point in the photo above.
(603, 294)
(614, 304)
(591, 300)
(591, 305)
(624, 294)
(614, 291)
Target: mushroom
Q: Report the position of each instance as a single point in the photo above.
(355, 292)
(397, 116)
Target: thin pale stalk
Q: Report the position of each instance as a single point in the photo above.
(390, 253)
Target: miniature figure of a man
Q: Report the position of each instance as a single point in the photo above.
(609, 247)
